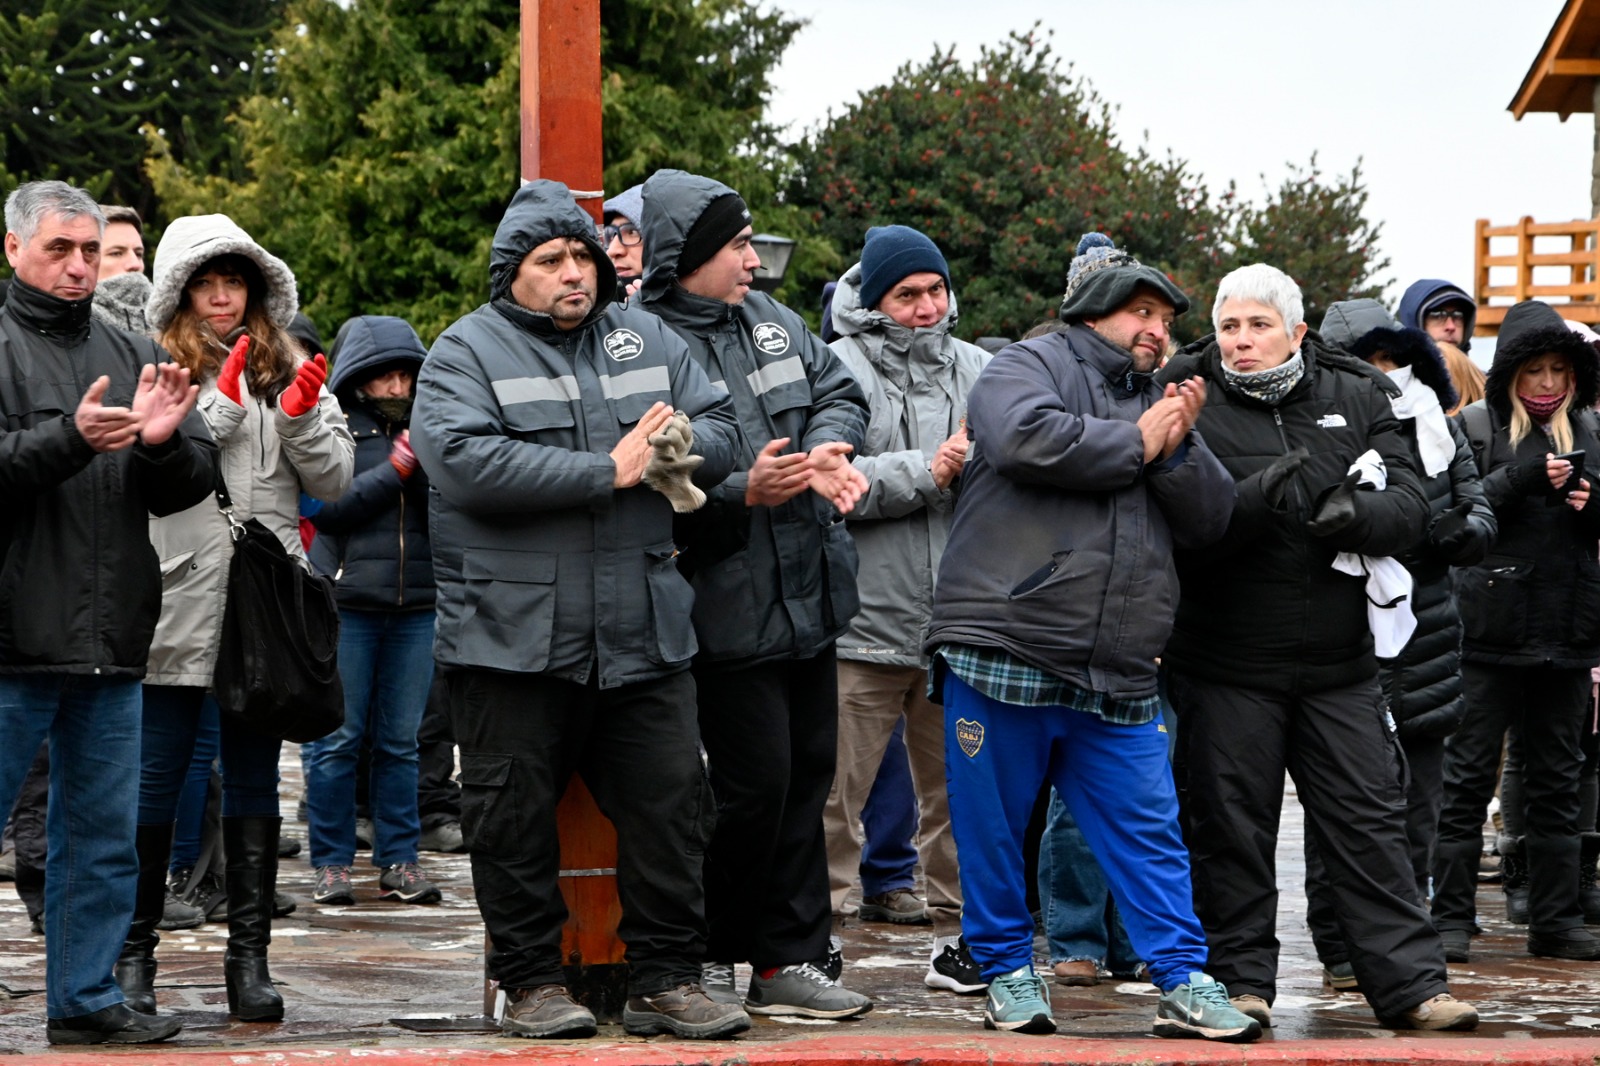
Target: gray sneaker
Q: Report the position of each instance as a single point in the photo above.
(804, 991)
(716, 980)
(176, 914)
(546, 1011)
(685, 1011)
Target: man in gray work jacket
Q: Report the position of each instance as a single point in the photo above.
(563, 620)
(774, 572)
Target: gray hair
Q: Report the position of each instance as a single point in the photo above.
(1262, 284)
(29, 203)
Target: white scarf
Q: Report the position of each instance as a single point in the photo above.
(1389, 583)
(1420, 402)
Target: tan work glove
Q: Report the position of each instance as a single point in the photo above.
(671, 465)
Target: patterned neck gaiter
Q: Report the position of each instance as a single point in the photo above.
(1540, 408)
(1268, 386)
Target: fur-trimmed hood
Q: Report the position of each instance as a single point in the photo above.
(185, 247)
(1531, 329)
(1363, 328)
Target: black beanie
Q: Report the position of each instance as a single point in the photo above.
(718, 224)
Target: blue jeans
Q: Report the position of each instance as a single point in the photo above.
(93, 727)
(172, 722)
(1080, 918)
(189, 832)
(889, 823)
(386, 664)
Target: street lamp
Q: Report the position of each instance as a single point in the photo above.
(774, 253)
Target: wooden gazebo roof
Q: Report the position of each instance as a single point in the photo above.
(1561, 80)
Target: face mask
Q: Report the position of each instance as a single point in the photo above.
(392, 408)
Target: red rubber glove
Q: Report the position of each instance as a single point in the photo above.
(228, 379)
(401, 457)
(301, 395)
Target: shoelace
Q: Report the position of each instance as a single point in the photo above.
(410, 873)
(335, 875)
(1214, 994)
(810, 972)
(718, 973)
(1017, 986)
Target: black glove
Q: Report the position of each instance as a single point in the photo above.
(1450, 533)
(1531, 477)
(1276, 478)
(1338, 508)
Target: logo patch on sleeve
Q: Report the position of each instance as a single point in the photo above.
(623, 344)
(1333, 420)
(771, 338)
(969, 735)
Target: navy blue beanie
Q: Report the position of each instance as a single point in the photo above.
(892, 254)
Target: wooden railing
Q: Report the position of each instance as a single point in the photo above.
(1577, 300)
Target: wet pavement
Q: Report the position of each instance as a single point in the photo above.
(404, 983)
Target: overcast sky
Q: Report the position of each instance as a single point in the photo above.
(1416, 89)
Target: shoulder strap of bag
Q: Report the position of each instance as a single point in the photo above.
(1480, 432)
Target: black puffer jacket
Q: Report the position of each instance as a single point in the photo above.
(373, 540)
(1535, 601)
(1264, 608)
(1423, 684)
(80, 585)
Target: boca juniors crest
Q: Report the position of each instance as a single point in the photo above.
(969, 735)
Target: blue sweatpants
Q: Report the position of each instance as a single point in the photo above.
(1117, 783)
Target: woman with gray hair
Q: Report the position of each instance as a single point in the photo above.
(1272, 659)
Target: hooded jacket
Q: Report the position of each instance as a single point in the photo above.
(771, 582)
(80, 586)
(267, 460)
(542, 565)
(1423, 683)
(1263, 608)
(1535, 600)
(373, 540)
(1061, 550)
(917, 381)
(1423, 296)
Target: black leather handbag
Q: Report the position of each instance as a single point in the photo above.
(277, 663)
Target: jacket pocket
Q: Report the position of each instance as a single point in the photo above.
(509, 619)
(174, 569)
(725, 607)
(489, 805)
(671, 607)
(1041, 575)
(1586, 604)
(1494, 602)
(840, 565)
(526, 421)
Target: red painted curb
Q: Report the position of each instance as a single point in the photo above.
(994, 1049)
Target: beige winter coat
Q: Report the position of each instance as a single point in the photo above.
(267, 460)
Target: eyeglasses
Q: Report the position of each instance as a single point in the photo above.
(1447, 314)
(627, 233)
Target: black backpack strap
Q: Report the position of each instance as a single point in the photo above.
(1480, 432)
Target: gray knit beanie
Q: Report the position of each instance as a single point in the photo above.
(1103, 277)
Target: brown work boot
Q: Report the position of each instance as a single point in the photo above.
(1252, 1006)
(545, 1011)
(683, 1011)
(1079, 973)
(1441, 1012)
(900, 906)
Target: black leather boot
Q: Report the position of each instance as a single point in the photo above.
(1588, 888)
(1556, 929)
(251, 845)
(135, 971)
(1514, 877)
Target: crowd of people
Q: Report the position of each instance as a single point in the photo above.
(1050, 620)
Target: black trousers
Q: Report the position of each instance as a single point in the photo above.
(521, 737)
(771, 732)
(25, 832)
(1234, 745)
(1424, 787)
(438, 795)
(1549, 708)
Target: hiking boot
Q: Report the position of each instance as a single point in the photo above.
(404, 883)
(283, 904)
(1341, 977)
(1457, 944)
(716, 981)
(1019, 1002)
(1441, 1012)
(176, 914)
(1077, 973)
(1200, 1008)
(900, 906)
(546, 1011)
(333, 887)
(1514, 878)
(364, 834)
(445, 837)
(683, 1011)
(802, 990)
(115, 1024)
(1574, 943)
(288, 847)
(951, 968)
(206, 893)
(834, 967)
(1253, 1007)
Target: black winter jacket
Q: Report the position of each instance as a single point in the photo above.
(373, 540)
(80, 585)
(1535, 601)
(1264, 608)
(770, 582)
